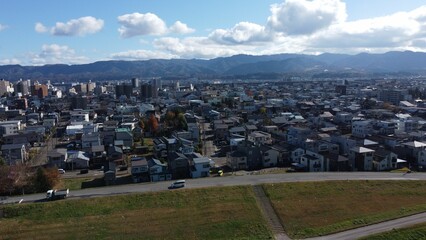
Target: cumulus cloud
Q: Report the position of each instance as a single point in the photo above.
(181, 28)
(242, 33)
(40, 28)
(298, 17)
(135, 24)
(142, 55)
(399, 30)
(80, 27)
(74, 27)
(56, 54)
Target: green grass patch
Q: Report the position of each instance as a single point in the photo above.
(75, 183)
(416, 232)
(213, 213)
(310, 209)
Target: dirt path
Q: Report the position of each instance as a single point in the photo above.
(269, 213)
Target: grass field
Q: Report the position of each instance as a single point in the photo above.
(214, 213)
(74, 183)
(417, 232)
(320, 208)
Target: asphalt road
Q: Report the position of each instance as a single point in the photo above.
(376, 228)
(225, 181)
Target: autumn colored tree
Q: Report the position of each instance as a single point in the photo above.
(21, 176)
(6, 184)
(46, 179)
(153, 124)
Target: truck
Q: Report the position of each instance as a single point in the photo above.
(57, 194)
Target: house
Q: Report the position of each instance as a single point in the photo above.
(337, 162)
(237, 160)
(270, 156)
(237, 130)
(200, 167)
(259, 137)
(313, 162)
(89, 140)
(296, 136)
(58, 157)
(10, 127)
(221, 131)
(158, 171)
(296, 155)
(384, 160)
(417, 152)
(114, 154)
(361, 158)
(123, 134)
(362, 129)
(140, 169)
(14, 153)
(77, 160)
(179, 165)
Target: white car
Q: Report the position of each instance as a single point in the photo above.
(61, 171)
(177, 184)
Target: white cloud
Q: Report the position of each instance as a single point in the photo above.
(326, 30)
(397, 31)
(74, 27)
(135, 24)
(142, 55)
(181, 28)
(2, 27)
(9, 61)
(56, 54)
(242, 33)
(298, 17)
(40, 28)
(198, 47)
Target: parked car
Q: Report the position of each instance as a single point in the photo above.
(61, 171)
(177, 184)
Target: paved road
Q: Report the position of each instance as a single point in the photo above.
(227, 181)
(376, 228)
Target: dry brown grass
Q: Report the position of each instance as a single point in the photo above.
(318, 208)
(216, 213)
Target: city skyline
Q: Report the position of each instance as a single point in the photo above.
(38, 33)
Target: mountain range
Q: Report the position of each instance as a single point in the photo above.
(390, 62)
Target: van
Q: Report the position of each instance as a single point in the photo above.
(178, 184)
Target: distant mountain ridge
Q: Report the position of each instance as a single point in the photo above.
(390, 62)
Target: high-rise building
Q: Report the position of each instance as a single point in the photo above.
(5, 87)
(22, 87)
(123, 89)
(91, 87)
(39, 90)
(154, 87)
(393, 96)
(78, 102)
(146, 91)
(135, 82)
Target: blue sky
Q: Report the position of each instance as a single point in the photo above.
(72, 32)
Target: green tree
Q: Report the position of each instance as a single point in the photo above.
(46, 179)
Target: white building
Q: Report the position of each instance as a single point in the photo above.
(200, 167)
(259, 137)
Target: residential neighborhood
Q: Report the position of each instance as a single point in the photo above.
(157, 130)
